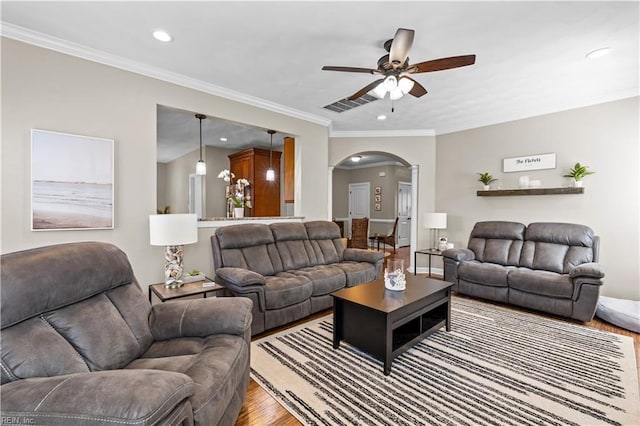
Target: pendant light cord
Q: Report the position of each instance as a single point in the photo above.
(200, 117)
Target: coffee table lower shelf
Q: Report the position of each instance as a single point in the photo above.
(386, 334)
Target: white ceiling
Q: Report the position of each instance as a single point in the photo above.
(530, 55)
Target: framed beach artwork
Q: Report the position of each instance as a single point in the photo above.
(71, 181)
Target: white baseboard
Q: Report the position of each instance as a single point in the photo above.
(425, 270)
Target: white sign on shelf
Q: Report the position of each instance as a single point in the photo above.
(529, 162)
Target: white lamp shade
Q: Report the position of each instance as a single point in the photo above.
(173, 229)
(201, 168)
(435, 220)
(271, 175)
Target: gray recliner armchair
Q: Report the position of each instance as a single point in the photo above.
(82, 346)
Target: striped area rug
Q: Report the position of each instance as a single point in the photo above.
(497, 366)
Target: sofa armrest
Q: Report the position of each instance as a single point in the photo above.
(238, 277)
(592, 270)
(200, 317)
(362, 255)
(128, 397)
(459, 254)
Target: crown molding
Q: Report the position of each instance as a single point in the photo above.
(380, 133)
(63, 46)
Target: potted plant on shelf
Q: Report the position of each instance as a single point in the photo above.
(577, 173)
(486, 180)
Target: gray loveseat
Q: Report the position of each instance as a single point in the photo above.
(82, 346)
(549, 267)
(288, 270)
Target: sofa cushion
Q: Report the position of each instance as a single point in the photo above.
(286, 289)
(292, 243)
(357, 273)
(249, 246)
(115, 397)
(497, 242)
(90, 268)
(325, 278)
(489, 274)
(216, 364)
(557, 247)
(324, 239)
(540, 282)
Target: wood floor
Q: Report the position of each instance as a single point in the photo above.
(261, 409)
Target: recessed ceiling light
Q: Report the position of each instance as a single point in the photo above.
(598, 53)
(162, 36)
(223, 139)
(382, 117)
(356, 158)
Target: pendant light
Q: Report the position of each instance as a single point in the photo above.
(271, 174)
(201, 166)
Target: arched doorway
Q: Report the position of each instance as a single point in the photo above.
(393, 184)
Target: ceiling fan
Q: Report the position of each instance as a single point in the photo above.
(395, 69)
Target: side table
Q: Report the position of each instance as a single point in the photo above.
(429, 252)
(188, 289)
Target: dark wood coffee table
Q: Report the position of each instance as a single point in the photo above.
(386, 323)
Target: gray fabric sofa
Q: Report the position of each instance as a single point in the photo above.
(82, 346)
(288, 270)
(548, 267)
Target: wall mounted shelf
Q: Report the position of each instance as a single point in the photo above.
(529, 191)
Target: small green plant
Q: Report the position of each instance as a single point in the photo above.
(578, 172)
(486, 178)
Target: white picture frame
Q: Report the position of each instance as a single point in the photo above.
(72, 182)
(529, 162)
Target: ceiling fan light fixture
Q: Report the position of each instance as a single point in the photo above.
(405, 84)
(379, 91)
(390, 83)
(396, 94)
(382, 117)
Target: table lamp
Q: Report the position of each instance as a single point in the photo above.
(173, 231)
(435, 222)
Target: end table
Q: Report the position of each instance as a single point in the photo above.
(188, 289)
(429, 252)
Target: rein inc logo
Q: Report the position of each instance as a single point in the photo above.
(18, 420)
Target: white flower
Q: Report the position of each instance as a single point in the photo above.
(226, 175)
(243, 182)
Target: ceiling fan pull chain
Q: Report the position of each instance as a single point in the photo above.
(392, 107)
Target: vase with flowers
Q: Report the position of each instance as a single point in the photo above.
(237, 195)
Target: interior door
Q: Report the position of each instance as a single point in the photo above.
(358, 201)
(404, 214)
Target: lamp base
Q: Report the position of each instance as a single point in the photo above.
(173, 267)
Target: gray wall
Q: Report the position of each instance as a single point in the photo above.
(175, 189)
(604, 136)
(52, 91)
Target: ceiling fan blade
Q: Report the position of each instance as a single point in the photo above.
(365, 90)
(442, 64)
(350, 69)
(418, 89)
(400, 46)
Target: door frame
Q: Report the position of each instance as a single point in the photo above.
(409, 186)
(415, 169)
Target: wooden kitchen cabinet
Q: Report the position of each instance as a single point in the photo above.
(252, 164)
(289, 169)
